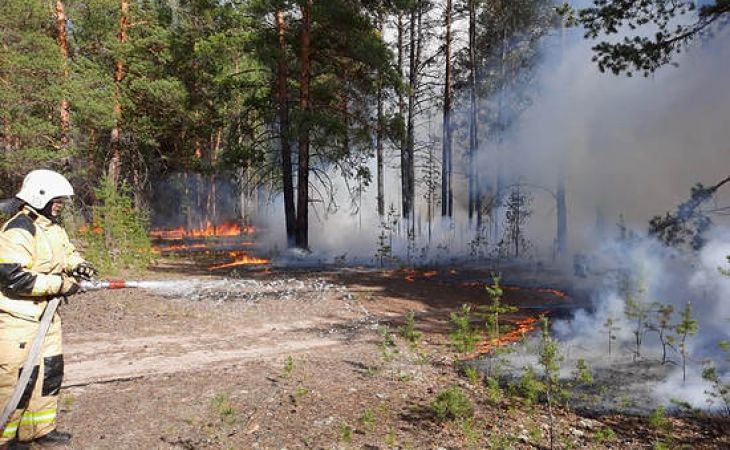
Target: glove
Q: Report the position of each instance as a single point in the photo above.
(84, 271)
(69, 286)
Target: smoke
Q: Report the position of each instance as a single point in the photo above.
(630, 149)
(625, 146)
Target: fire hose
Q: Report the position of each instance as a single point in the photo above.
(45, 323)
(97, 285)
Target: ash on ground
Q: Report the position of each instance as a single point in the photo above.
(254, 291)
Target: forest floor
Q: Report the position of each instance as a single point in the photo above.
(297, 361)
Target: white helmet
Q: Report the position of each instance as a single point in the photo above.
(41, 186)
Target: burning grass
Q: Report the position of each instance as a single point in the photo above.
(240, 259)
(209, 230)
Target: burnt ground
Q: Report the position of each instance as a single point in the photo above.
(297, 362)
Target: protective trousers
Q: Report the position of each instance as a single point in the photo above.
(36, 413)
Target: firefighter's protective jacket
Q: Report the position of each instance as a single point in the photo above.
(34, 252)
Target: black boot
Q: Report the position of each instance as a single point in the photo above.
(15, 445)
(54, 438)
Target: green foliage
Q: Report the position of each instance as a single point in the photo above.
(464, 337)
(662, 427)
(646, 52)
(472, 432)
(408, 330)
(117, 238)
(288, 367)
(529, 386)
(221, 405)
(637, 309)
(494, 390)
(346, 432)
(550, 362)
(472, 374)
(605, 435)
(452, 404)
(582, 373)
(548, 352)
(719, 391)
(686, 327)
(496, 309)
(663, 326)
(387, 344)
(391, 438)
(367, 420)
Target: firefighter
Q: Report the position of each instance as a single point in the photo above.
(37, 263)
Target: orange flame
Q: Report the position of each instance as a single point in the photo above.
(226, 229)
(522, 327)
(240, 259)
(191, 247)
(96, 229)
(412, 274)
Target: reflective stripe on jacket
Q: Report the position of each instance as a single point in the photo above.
(33, 253)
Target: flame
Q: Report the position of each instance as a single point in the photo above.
(412, 274)
(180, 248)
(96, 229)
(188, 248)
(226, 229)
(555, 292)
(521, 328)
(240, 259)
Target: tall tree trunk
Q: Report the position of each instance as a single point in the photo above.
(501, 185)
(286, 156)
(410, 181)
(447, 209)
(402, 114)
(561, 209)
(65, 116)
(303, 178)
(116, 158)
(212, 207)
(474, 191)
(379, 132)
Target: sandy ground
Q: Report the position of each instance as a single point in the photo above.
(301, 366)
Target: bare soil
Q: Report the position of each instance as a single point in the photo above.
(301, 366)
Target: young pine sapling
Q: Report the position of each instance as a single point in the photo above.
(662, 327)
(686, 327)
(610, 326)
(492, 314)
(550, 362)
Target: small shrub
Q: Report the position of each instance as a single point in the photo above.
(464, 337)
(408, 330)
(367, 420)
(530, 387)
(345, 432)
(116, 239)
(452, 404)
(301, 392)
(472, 432)
(472, 374)
(387, 345)
(605, 434)
(222, 406)
(288, 367)
(658, 420)
(582, 373)
(391, 439)
(494, 390)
